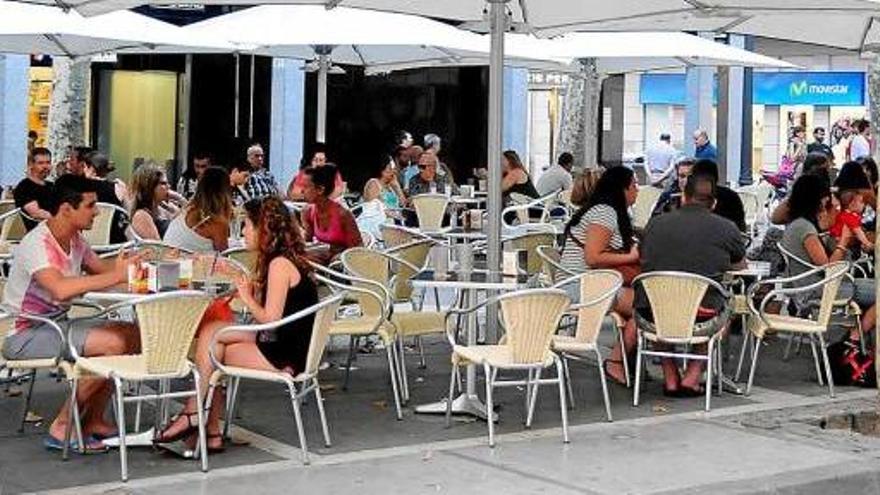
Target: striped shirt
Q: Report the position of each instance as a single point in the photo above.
(260, 184)
(573, 251)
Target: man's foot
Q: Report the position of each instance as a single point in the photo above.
(92, 445)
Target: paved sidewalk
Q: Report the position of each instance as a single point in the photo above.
(765, 447)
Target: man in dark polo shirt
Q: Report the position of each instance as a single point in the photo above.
(691, 239)
(727, 201)
(34, 194)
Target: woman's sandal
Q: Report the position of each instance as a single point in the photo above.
(608, 373)
(185, 432)
(193, 439)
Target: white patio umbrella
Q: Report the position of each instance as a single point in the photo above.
(617, 53)
(844, 23)
(375, 40)
(26, 28)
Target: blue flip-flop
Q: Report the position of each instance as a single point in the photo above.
(52, 443)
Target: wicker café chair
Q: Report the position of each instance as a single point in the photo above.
(763, 322)
(374, 304)
(168, 323)
(245, 258)
(430, 209)
(12, 227)
(298, 386)
(8, 316)
(397, 235)
(530, 242)
(98, 236)
(598, 289)
(674, 299)
(530, 318)
(551, 265)
(644, 206)
(377, 267)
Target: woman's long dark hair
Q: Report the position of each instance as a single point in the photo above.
(213, 197)
(278, 234)
(807, 196)
(610, 190)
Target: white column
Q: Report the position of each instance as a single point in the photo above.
(13, 117)
(698, 106)
(287, 125)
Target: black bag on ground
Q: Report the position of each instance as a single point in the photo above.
(849, 366)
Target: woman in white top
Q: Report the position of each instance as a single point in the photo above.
(204, 225)
(600, 235)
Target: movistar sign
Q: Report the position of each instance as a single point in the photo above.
(770, 88)
(809, 88)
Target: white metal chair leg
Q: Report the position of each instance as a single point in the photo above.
(452, 376)
(120, 425)
(604, 385)
(402, 378)
(816, 360)
(709, 369)
(389, 350)
(203, 419)
(70, 420)
(490, 404)
(623, 357)
(231, 401)
(319, 399)
(638, 371)
(719, 366)
(137, 409)
(562, 406)
(568, 385)
(747, 338)
(788, 346)
(421, 347)
(528, 394)
(297, 416)
(534, 397)
(754, 365)
(830, 380)
(27, 400)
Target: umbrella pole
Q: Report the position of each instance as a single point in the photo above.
(321, 127)
(497, 27)
(251, 102)
(237, 92)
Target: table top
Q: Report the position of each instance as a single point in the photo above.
(120, 293)
(458, 233)
(466, 201)
(757, 269)
(477, 279)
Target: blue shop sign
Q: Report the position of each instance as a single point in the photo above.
(769, 88)
(809, 88)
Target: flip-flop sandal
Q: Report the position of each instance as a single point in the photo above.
(93, 445)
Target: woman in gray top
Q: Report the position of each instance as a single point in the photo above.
(812, 212)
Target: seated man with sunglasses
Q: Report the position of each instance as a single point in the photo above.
(428, 180)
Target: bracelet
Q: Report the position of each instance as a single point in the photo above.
(842, 248)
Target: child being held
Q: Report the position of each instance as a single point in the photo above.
(851, 207)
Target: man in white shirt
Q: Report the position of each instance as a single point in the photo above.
(660, 160)
(860, 146)
(557, 177)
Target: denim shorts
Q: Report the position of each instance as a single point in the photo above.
(861, 292)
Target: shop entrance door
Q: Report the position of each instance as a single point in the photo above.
(136, 117)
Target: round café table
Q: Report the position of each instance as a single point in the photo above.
(468, 402)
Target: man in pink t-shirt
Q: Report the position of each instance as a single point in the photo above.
(53, 265)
